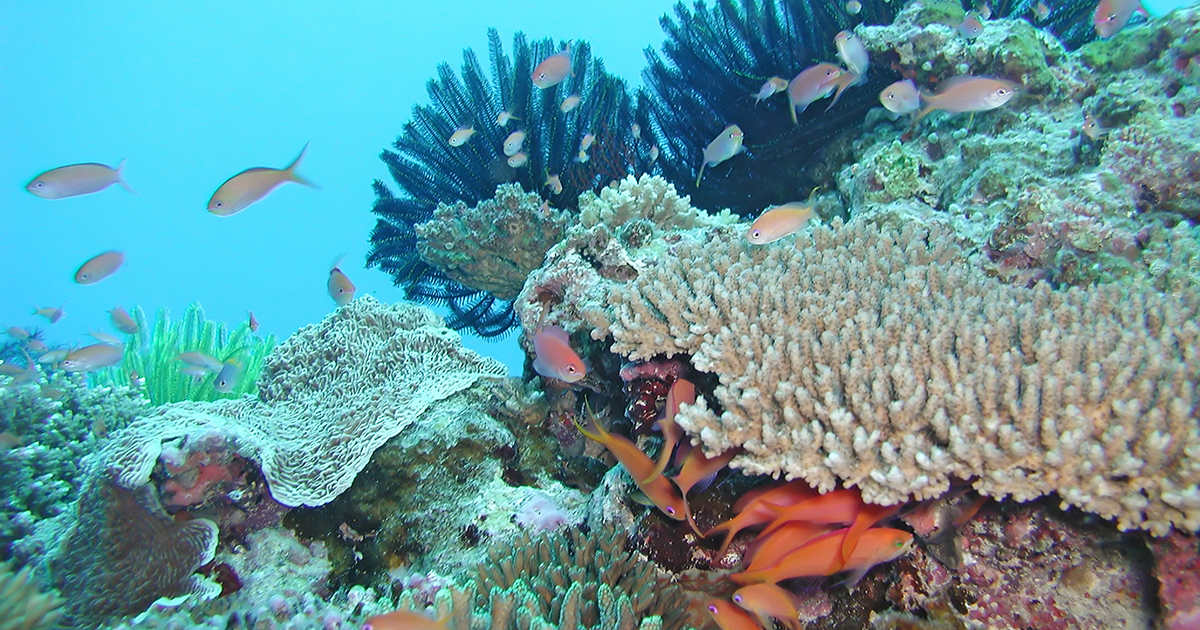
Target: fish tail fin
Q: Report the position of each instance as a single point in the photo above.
(296, 177)
(700, 175)
(121, 176)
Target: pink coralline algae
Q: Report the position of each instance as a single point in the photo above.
(1177, 566)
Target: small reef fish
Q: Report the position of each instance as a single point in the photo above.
(554, 358)
(512, 144)
(822, 556)
(229, 376)
(77, 179)
(99, 267)
(968, 94)
(104, 337)
(251, 321)
(853, 7)
(773, 86)
(636, 130)
(587, 141)
(555, 184)
(570, 103)
(50, 313)
(765, 601)
(136, 381)
(901, 97)
(18, 333)
(1092, 128)
(461, 135)
(339, 286)
(252, 184)
(727, 144)
(518, 160)
(201, 360)
(730, 617)
(778, 222)
(853, 53)
(36, 345)
(93, 357)
(970, 27)
(406, 620)
(759, 507)
(654, 153)
(847, 78)
(53, 356)
(1112, 15)
(20, 375)
(122, 321)
(983, 10)
(1041, 11)
(813, 83)
(10, 440)
(503, 117)
(553, 69)
(196, 372)
(582, 156)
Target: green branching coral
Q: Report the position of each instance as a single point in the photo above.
(153, 356)
(568, 581)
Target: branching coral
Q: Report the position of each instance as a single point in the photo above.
(876, 359)
(22, 605)
(152, 355)
(428, 171)
(329, 396)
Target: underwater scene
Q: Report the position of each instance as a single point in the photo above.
(731, 314)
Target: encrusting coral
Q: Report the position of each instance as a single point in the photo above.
(329, 396)
(877, 359)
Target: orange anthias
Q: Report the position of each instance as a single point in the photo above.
(730, 617)
(767, 549)
(822, 556)
(760, 506)
(836, 507)
(768, 600)
(682, 391)
(665, 496)
(406, 620)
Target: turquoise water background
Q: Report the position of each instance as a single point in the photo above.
(193, 93)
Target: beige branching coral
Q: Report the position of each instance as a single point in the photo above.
(329, 396)
(22, 605)
(880, 360)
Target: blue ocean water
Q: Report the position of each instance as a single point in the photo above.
(191, 95)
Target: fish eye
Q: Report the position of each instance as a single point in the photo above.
(38, 184)
(1111, 17)
(571, 369)
(737, 599)
(670, 511)
(219, 204)
(755, 234)
(712, 608)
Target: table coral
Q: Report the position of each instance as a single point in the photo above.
(330, 395)
(878, 359)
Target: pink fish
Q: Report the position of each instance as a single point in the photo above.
(773, 86)
(853, 53)
(968, 94)
(99, 267)
(553, 69)
(122, 321)
(77, 179)
(901, 97)
(727, 144)
(554, 358)
(813, 83)
(252, 184)
(778, 222)
(18, 333)
(93, 357)
(1112, 15)
(970, 27)
(569, 103)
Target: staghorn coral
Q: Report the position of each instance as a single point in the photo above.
(494, 245)
(428, 171)
(570, 580)
(877, 359)
(329, 396)
(124, 553)
(22, 605)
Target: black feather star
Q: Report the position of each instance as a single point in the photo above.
(427, 170)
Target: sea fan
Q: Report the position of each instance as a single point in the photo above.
(427, 170)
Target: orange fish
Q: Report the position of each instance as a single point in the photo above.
(681, 391)
(554, 358)
(767, 549)
(252, 184)
(77, 179)
(968, 94)
(50, 313)
(658, 489)
(406, 620)
(778, 222)
(823, 556)
(553, 69)
(461, 135)
(812, 84)
(339, 286)
(99, 267)
(1112, 15)
(122, 321)
(730, 617)
(569, 103)
(698, 469)
(727, 144)
(759, 507)
(769, 600)
(93, 357)
(843, 507)
(847, 78)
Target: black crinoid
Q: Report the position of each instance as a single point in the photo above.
(428, 171)
(715, 59)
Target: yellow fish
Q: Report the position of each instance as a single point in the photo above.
(77, 179)
(339, 286)
(727, 144)
(252, 184)
(555, 183)
(461, 135)
(570, 103)
(512, 144)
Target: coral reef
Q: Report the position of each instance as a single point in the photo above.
(151, 354)
(876, 359)
(124, 553)
(51, 426)
(329, 396)
(22, 605)
(495, 245)
(429, 172)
